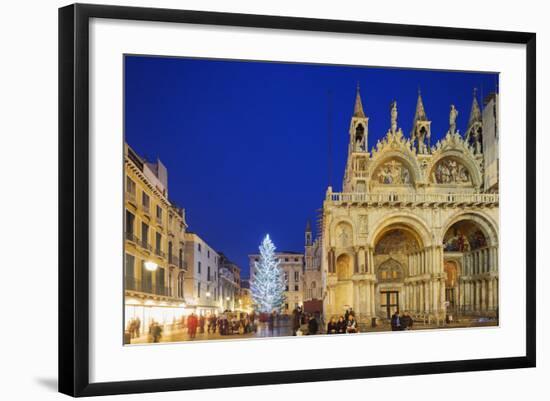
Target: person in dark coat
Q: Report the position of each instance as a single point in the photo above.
(341, 325)
(332, 327)
(296, 318)
(406, 321)
(396, 324)
(156, 332)
(202, 322)
(312, 326)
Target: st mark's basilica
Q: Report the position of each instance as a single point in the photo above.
(416, 226)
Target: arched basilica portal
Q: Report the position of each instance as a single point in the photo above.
(416, 226)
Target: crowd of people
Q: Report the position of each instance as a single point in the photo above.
(399, 323)
(225, 323)
(133, 327)
(304, 323)
(228, 323)
(346, 324)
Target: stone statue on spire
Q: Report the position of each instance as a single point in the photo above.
(453, 114)
(393, 112)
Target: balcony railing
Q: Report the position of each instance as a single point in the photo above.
(159, 220)
(133, 284)
(132, 237)
(407, 198)
(145, 245)
(158, 252)
(173, 260)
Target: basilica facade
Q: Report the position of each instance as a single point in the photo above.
(416, 226)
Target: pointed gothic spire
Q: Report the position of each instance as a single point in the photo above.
(475, 113)
(420, 114)
(308, 227)
(358, 109)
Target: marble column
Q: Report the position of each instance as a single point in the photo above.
(357, 298)
(373, 299)
(370, 261)
(368, 308)
(441, 295)
(461, 293)
(478, 295)
(433, 289)
(490, 294)
(483, 295)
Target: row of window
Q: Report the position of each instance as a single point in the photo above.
(145, 198)
(296, 276)
(199, 248)
(144, 240)
(280, 259)
(150, 282)
(208, 293)
(208, 273)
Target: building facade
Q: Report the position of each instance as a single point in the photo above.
(245, 297)
(154, 244)
(416, 226)
(312, 285)
(229, 283)
(201, 277)
(292, 267)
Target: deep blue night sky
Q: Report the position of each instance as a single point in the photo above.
(246, 143)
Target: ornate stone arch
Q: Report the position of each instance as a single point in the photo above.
(335, 225)
(453, 145)
(410, 163)
(407, 221)
(389, 271)
(485, 223)
(344, 266)
(466, 160)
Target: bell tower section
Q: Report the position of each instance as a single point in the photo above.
(355, 179)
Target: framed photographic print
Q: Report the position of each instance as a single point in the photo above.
(258, 188)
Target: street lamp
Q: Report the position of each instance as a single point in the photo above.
(208, 294)
(151, 266)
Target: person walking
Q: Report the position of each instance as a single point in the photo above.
(396, 324)
(192, 325)
(202, 321)
(156, 332)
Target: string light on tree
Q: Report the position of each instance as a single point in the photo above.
(268, 285)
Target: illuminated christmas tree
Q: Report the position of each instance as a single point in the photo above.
(268, 286)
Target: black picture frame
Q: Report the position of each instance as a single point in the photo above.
(74, 198)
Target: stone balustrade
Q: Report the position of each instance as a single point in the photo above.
(475, 199)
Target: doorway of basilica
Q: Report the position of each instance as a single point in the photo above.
(471, 269)
(389, 302)
(391, 258)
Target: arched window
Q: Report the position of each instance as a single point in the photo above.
(390, 270)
